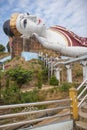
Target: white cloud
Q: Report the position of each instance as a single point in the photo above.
(68, 13)
(11, 2)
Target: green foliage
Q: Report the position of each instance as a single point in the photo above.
(2, 48)
(39, 83)
(45, 75)
(31, 96)
(20, 75)
(7, 83)
(79, 73)
(66, 86)
(11, 95)
(53, 81)
(42, 77)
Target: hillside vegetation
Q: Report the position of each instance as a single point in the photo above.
(3, 54)
(28, 82)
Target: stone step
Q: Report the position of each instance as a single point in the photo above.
(82, 114)
(82, 125)
(84, 108)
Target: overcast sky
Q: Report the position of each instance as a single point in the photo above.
(71, 14)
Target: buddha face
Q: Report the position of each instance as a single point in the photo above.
(28, 24)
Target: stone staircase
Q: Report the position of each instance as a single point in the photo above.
(81, 124)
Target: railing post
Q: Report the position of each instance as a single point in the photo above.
(57, 73)
(84, 64)
(74, 102)
(69, 73)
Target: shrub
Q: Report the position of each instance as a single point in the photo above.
(45, 75)
(39, 82)
(20, 75)
(65, 86)
(11, 95)
(31, 96)
(53, 81)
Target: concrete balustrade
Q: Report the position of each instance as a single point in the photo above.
(44, 113)
(55, 65)
(84, 65)
(69, 73)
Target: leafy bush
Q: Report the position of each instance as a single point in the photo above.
(66, 86)
(31, 96)
(11, 95)
(45, 75)
(2, 48)
(39, 82)
(53, 81)
(20, 75)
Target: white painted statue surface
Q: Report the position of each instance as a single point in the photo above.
(55, 38)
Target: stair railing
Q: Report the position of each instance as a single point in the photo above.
(40, 115)
(82, 86)
(75, 97)
(82, 100)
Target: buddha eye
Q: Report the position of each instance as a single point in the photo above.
(25, 23)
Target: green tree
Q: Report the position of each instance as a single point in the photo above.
(19, 75)
(2, 48)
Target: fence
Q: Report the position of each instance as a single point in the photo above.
(46, 114)
(76, 95)
(37, 115)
